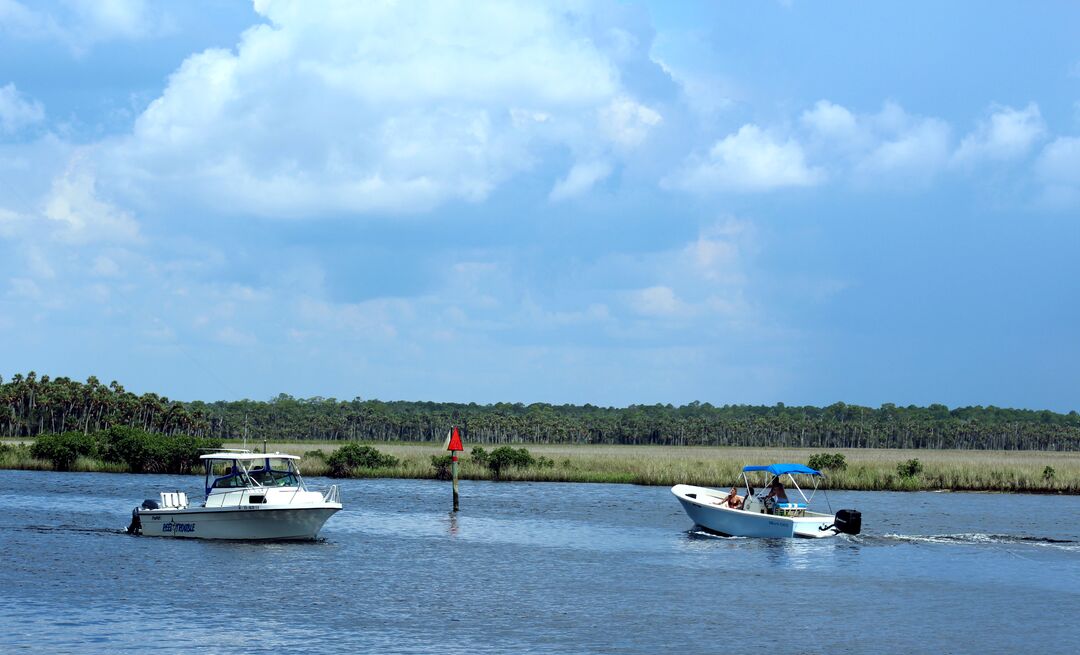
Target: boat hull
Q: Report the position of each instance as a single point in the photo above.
(699, 505)
(264, 523)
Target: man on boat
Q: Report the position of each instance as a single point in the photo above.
(776, 494)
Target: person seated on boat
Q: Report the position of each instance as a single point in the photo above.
(732, 500)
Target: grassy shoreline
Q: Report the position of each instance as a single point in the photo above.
(868, 469)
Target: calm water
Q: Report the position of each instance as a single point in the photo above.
(535, 568)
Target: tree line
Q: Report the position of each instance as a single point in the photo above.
(32, 405)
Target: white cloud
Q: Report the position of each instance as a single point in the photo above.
(81, 216)
(832, 122)
(102, 20)
(627, 123)
(581, 178)
(79, 24)
(656, 301)
(750, 160)
(718, 251)
(16, 111)
(374, 107)
(1008, 134)
(918, 149)
(1058, 168)
(878, 149)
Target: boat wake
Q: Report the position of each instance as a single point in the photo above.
(54, 529)
(698, 533)
(974, 538)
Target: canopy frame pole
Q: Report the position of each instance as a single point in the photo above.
(798, 488)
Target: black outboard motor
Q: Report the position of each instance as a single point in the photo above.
(136, 523)
(848, 521)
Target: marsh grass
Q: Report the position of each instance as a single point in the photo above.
(868, 469)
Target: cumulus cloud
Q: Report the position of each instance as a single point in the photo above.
(916, 149)
(627, 122)
(1008, 134)
(17, 111)
(1058, 168)
(834, 123)
(82, 217)
(82, 23)
(580, 179)
(656, 301)
(375, 107)
(751, 160)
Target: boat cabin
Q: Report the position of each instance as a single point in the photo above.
(231, 470)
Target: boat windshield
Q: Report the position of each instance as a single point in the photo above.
(245, 473)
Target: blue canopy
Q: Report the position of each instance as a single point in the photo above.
(780, 469)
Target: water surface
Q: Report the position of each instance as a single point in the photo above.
(535, 568)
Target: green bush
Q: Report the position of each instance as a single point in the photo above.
(826, 461)
(545, 462)
(63, 449)
(146, 452)
(131, 446)
(351, 456)
(505, 457)
(479, 455)
(315, 454)
(442, 464)
(909, 469)
(1048, 473)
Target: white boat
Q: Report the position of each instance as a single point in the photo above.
(248, 496)
(762, 516)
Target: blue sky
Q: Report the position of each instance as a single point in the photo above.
(602, 202)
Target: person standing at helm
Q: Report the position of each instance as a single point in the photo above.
(776, 490)
(776, 494)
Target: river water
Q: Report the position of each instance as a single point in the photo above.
(535, 568)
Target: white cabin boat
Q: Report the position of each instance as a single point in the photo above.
(248, 496)
(757, 515)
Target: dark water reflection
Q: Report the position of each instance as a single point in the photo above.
(537, 568)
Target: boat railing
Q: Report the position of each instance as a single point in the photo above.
(332, 495)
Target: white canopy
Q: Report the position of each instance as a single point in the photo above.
(247, 456)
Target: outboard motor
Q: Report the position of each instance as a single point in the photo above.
(848, 521)
(136, 523)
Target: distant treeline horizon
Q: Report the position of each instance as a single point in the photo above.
(31, 405)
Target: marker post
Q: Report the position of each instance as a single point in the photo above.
(455, 447)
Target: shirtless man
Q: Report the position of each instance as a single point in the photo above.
(776, 490)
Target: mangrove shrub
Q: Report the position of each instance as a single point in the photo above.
(909, 469)
(442, 464)
(827, 461)
(352, 456)
(505, 457)
(63, 449)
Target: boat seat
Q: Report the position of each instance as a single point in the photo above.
(176, 499)
(791, 509)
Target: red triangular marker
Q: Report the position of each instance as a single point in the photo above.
(455, 440)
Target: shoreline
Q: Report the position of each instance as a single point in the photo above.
(715, 467)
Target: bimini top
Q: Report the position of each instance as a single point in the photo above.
(780, 469)
(246, 456)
